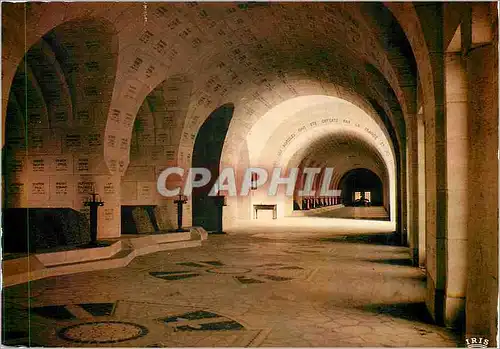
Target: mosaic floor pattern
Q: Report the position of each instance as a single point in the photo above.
(257, 274)
(256, 289)
(129, 323)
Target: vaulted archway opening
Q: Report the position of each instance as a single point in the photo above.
(361, 187)
(207, 154)
(315, 131)
(53, 150)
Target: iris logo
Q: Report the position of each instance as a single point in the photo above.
(477, 342)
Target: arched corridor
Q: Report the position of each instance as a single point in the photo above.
(348, 150)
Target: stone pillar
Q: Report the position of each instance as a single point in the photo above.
(435, 250)
(482, 73)
(457, 139)
(403, 202)
(435, 163)
(421, 190)
(412, 198)
(109, 224)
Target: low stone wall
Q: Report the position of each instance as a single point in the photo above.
(315, 211)
(118, 254)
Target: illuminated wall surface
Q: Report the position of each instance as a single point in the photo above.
(398, 98)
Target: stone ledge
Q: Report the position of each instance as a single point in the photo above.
(18, 271)
(79, 255)
(147, 240)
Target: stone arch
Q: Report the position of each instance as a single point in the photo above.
(53, 147)
(422, 43)
(344, 151)
(30, 23)
(317, 116)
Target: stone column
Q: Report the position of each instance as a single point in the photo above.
(412, 161)
(403, 206)
(457, 138)
(482, 73)
(435, 162)
(421, 190)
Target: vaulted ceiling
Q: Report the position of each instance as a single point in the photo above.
(255, 55)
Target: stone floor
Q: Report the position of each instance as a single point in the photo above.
(296, 282)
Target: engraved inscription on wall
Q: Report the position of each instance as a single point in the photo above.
(85, 187)
(109, 188)
(38, 188)
(82, 165)
(38, 165)
(61, 188)
(61, 165)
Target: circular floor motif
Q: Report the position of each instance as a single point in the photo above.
(102, 332)
(229, 270)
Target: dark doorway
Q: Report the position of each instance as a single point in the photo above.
(357, 183)
(206, 153)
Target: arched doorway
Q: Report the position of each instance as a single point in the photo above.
(206, 153)
(361, 184)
